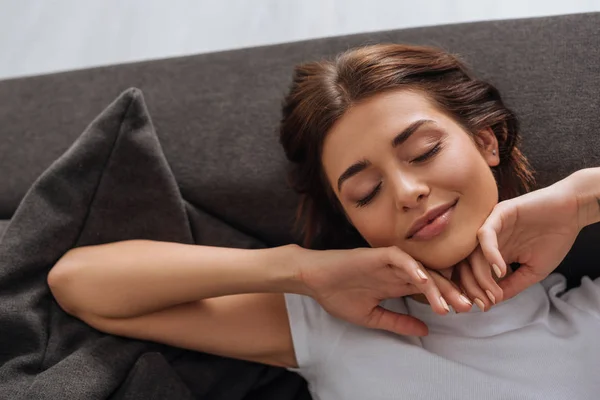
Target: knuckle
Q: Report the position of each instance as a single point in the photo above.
(390, 254)
(500, 206)
(373, 320)
(383, 256)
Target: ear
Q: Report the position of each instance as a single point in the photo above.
(487, 144)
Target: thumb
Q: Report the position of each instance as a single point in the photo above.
(519, 280)
(400, 324)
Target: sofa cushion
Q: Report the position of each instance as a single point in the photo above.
(3, 225)
(113, 184)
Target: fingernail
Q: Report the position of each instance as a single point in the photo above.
(421, 274)
(480, 304)
(497, 270)
(491, 296)
(465, 299)
(444, 304)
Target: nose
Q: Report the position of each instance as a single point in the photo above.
(410, 191)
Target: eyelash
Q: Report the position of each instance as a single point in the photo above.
(436, 149)
(366, 200)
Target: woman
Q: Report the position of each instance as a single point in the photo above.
(400, 150)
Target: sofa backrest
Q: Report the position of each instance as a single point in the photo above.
(217, 114)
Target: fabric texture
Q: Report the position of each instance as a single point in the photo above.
(541, 344)
(217, 114)
(113, 184)
(3, 225)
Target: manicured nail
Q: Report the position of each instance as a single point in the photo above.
(465, 299)
(491, 296)
(497, 270)
(421, 274)
(444, 304)
(480, 304)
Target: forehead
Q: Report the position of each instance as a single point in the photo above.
(380, 117)
(394, 105)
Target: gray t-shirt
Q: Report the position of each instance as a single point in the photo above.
(542, 344)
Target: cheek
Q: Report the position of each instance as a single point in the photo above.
(377, 222)
(481, 189)
(471, 177)
(457, 168)
(375, 227)
(464, 170)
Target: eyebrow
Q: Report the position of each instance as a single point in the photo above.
(397, 141)
(408, 131)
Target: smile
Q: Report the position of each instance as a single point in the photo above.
(433, 223)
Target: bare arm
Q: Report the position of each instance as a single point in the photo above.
(133, 278)
(229, 301)
(586, 183)
(222, 301)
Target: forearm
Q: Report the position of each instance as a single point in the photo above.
(132, 278)
(586, 185)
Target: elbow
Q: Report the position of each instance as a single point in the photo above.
(62, 279)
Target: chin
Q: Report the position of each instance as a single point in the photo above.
(447, 253)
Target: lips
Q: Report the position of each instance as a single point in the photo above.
(432, 222)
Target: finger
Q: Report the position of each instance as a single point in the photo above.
(452, 293)
(488, 240)
(433, 293)
(410, 289)
(400, 324)
(401, 290)
(520, 280)
(471, 287)
(483, 275)
(405, 264)
(418, 275)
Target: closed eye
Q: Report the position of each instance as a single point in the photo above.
(429, 154)
(366, 200)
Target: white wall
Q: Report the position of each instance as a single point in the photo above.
(39, 36)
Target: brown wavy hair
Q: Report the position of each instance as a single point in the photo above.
(321, 92)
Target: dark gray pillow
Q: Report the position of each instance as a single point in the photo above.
(3, 225)
(113, 184)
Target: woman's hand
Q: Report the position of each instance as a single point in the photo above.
(474, 276)
(350, 284)
(535, 230)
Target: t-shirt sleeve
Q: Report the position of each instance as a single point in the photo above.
(586, 297)
(314, 332)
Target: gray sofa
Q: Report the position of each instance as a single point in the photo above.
(216, 117)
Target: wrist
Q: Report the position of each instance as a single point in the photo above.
(585, 184)
(284, 269)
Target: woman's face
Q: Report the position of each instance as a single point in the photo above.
(395, 162)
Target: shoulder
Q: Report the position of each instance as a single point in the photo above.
(313, 330)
